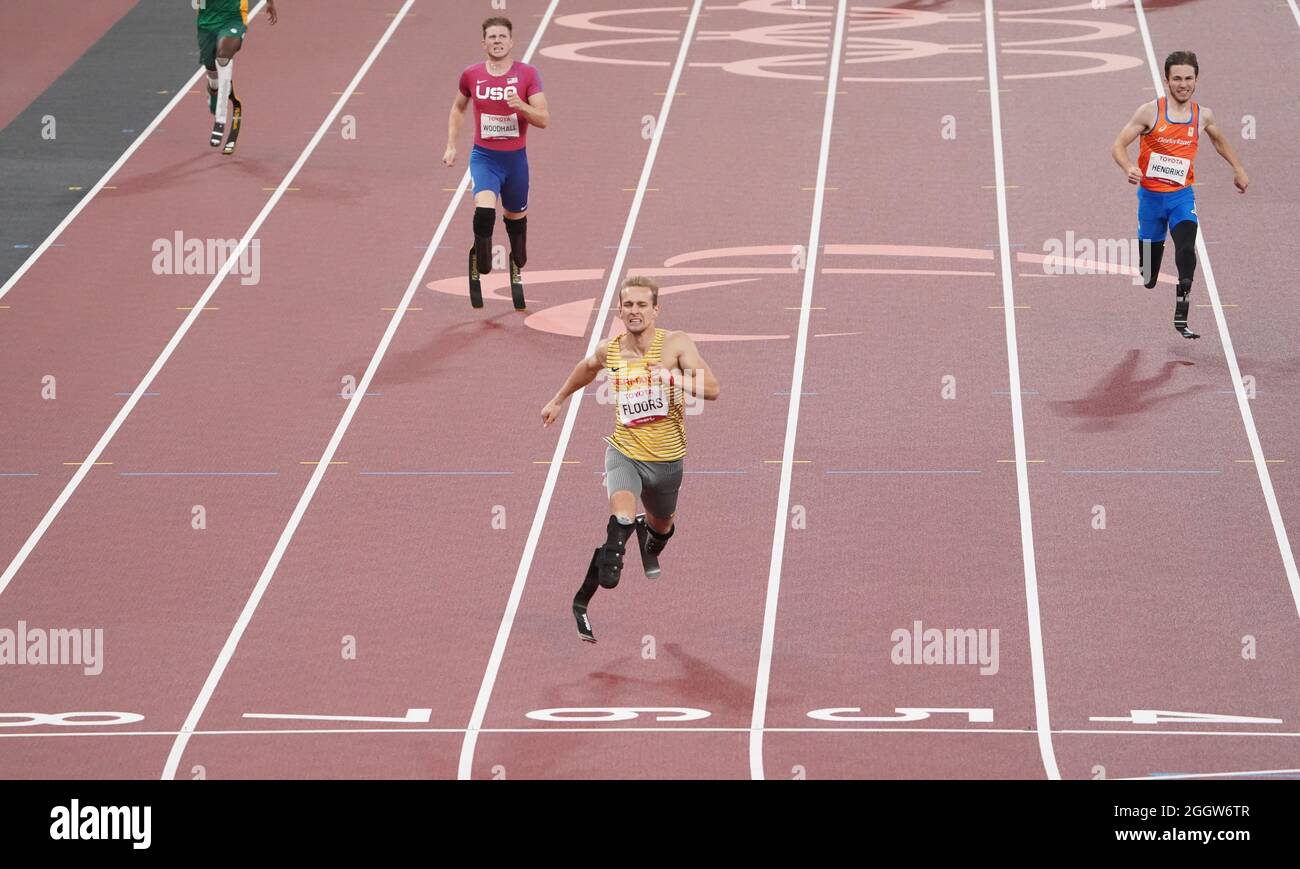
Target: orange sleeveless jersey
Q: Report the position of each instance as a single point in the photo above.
(1170, 139)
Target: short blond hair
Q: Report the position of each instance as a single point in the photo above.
(640, 281)
(498, 21)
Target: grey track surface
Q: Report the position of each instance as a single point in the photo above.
(100, 105)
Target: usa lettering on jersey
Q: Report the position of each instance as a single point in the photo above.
(495, 93)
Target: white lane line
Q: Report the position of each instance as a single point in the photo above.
(1192, 775)
(1234, 371)
(412, 716)
(1295, 10)
(526, 730)
(263, 581)
(112, 170)
(143, 386)
(761, 680)
(553, 472)
(1038, 667)
(1004, 731)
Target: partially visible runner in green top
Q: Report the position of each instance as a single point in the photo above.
(222, 25)
(214, 13)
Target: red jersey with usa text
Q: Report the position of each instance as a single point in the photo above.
(1166, 152)
(496, 125)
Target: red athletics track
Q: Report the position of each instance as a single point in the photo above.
(252, 388)
(903, 503)
(29, 73)
(398, 548)
(1251, 237)
(412, 568)
(1151, 612)
(93, 313)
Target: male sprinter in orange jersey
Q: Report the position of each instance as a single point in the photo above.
(1170, 128)
(645, 453)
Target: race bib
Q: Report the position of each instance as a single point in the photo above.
(1168, 168)
(499, 126)
(642, 404)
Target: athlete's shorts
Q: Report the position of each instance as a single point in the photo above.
(232, 28)
(1159, 211)
(655, 483)
(505, 173)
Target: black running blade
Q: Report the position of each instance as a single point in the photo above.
(584, 624)
(649, 561)
(475, 285)
(1182, 304)
(517, 287)
(583, 597)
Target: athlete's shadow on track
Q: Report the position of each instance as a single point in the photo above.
(1122, 394)
(167, 177)
(201, 163)
(436, 355)
(693, 683)
(267, 174)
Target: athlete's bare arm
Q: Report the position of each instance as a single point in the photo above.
(272, 16)
(583, 373)
(454, 123)
(688, 365)
(1225, 150)
(1142, 121)
(535, 110)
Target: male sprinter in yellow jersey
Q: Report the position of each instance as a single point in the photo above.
(650, 372)
(222, 25)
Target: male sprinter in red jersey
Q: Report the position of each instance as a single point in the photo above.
(222, 25)
(645, 453)
(1170, 128)
(507, 98)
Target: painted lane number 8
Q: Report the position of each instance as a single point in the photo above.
(67, 719)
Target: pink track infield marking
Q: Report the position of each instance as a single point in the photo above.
(570, 319)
